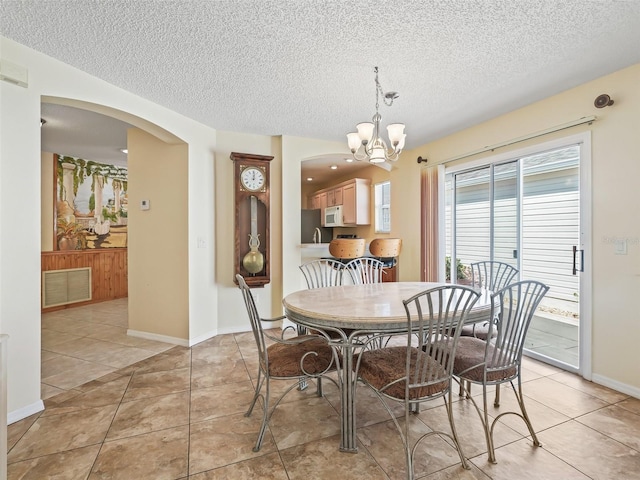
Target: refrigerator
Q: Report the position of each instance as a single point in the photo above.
(309, 221)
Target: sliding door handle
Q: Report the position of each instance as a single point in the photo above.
(575, 268)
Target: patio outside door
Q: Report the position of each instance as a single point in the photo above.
(525, 212)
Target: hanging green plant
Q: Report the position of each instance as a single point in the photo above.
(86, 168)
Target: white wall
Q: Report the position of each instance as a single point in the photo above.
(214, 305)
(20, 239)
(21, 200)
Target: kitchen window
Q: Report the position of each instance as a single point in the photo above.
(382, 194)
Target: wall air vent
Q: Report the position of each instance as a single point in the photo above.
(61, 287)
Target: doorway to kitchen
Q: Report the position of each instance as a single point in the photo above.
(528, 209)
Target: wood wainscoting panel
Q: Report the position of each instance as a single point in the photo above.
(109, 275)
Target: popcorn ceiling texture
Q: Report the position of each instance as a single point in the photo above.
(305, 67)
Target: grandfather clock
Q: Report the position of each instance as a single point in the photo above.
(251, 198)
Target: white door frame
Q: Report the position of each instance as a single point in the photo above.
(586, 234)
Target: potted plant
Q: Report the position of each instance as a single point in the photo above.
(461, 271)
(70, 234)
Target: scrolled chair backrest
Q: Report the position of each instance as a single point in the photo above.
(516, 304)
(492, 275)
(365, 270)
(435, 317)
(323, 273)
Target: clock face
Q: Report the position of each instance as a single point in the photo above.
(252, 178)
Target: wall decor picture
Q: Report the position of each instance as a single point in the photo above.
(91, 204)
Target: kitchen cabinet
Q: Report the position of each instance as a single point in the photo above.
(355, 197)
(334, 197)
(319, 200)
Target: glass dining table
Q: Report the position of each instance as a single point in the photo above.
(349, 312)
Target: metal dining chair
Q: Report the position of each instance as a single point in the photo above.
(322, 272)
(298, 358)
(489, 275)
(493, 276)
(499, 360)
(420, 371)
(365, 270)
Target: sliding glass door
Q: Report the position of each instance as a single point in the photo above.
(525, 212)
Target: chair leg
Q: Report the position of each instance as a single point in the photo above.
(496, 402)
(265, 418)
(484, 418)
(405, 438)
(259, 382)
(525, 416)
(462, 388)
(488, 431)
(319, 391)
(454, 432)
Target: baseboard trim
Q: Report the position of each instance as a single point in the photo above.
(202, 338)
(615, 385)
(159, 338)
(228, 330)
(24, 412)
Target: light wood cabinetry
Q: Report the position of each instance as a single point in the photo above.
(334, 197)
(355, 197)
(319, 200)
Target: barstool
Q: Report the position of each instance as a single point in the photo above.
(386, 249)
(346, 249)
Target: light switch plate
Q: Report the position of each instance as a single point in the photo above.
(620, 247)
(145, 204)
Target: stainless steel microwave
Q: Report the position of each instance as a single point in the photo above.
(333, 216)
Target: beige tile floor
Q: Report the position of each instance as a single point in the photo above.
(123, 408)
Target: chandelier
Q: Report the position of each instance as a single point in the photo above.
(366, 144)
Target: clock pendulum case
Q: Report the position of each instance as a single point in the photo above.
(251, 199)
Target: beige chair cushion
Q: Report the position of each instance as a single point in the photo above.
(470, 352)
(383, 366)
(284, 359)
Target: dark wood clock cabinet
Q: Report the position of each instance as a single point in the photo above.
(251, 199)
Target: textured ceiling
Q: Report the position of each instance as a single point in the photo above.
(305, 67)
